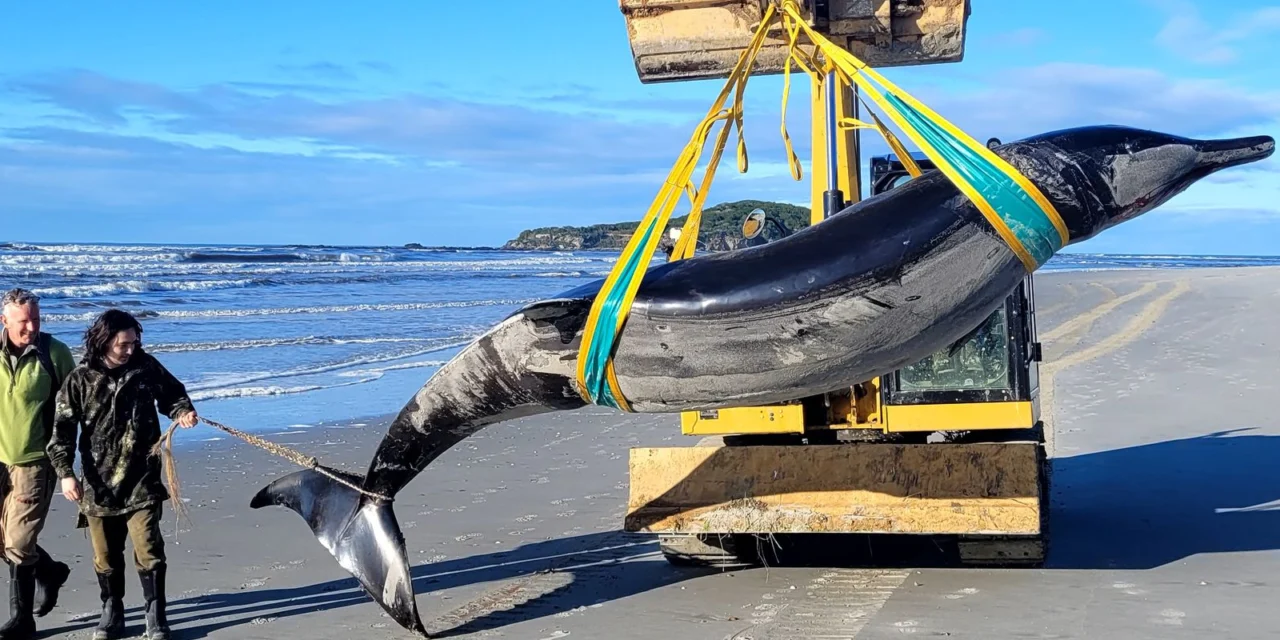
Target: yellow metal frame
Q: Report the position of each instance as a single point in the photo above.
(972, 416)
(846, 148)
(789, 418)
(782, 418)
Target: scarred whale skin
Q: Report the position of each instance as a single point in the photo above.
(878, 286)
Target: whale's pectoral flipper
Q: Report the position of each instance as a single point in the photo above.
(362, 535)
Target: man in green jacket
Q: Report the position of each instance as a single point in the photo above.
(107, 413)
(35, 364)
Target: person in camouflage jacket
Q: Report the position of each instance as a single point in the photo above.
(111, 399)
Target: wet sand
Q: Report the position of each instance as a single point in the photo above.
(1162, 399)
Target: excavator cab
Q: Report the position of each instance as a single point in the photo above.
(988, 379)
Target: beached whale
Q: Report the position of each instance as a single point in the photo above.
(876, 287)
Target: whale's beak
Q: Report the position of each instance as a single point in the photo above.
(1214, 155)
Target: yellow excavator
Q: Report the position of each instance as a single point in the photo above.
(950, 446)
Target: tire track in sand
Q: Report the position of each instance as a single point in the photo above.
(1073, 296)
(835, 605)
(551, 582)
(1070, 290)
(1137, 326)
(1076, 327)
(840, 603)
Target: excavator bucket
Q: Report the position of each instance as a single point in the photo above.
(674, 40)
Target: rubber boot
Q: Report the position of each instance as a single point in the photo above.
(50, 576)
(111, 625)
(154, 603)
(22, 592)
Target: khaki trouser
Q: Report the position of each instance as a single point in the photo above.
(28, 492)
(108, 536)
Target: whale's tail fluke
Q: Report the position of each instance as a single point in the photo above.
(362, 534)
(485, 383)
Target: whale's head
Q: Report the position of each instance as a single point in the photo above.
(1100, 176)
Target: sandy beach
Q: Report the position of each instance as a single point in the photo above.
(1160, 385)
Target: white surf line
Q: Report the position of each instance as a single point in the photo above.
(200, 314)
(261, 343)
(205, 385)
(835, 605)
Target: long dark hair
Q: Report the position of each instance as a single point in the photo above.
(98, 337)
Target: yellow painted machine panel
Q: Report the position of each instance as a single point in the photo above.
(786, 418)
(959, 417)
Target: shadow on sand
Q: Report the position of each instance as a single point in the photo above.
(1146, 506)
(566, 574)
(1135, 508)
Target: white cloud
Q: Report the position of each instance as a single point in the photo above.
(1188, 35)
(268, 157)
(1024, 37)
(1028, 100)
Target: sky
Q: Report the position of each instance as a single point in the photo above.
(438, 123)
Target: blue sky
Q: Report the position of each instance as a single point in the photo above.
(432, 122)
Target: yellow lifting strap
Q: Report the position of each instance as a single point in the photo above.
(1015, 207)
(597, 382)
(1021, 215)
(907, 161)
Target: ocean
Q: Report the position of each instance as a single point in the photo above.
(274, 338)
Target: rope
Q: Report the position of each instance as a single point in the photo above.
(165, 447)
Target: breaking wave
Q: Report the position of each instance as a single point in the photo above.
(264, 343)
(362, 376)
(286, 311)
(235, 380)
(143, 286)
(256, 392)
(237, 256)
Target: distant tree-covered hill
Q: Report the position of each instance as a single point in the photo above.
(720, 230)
